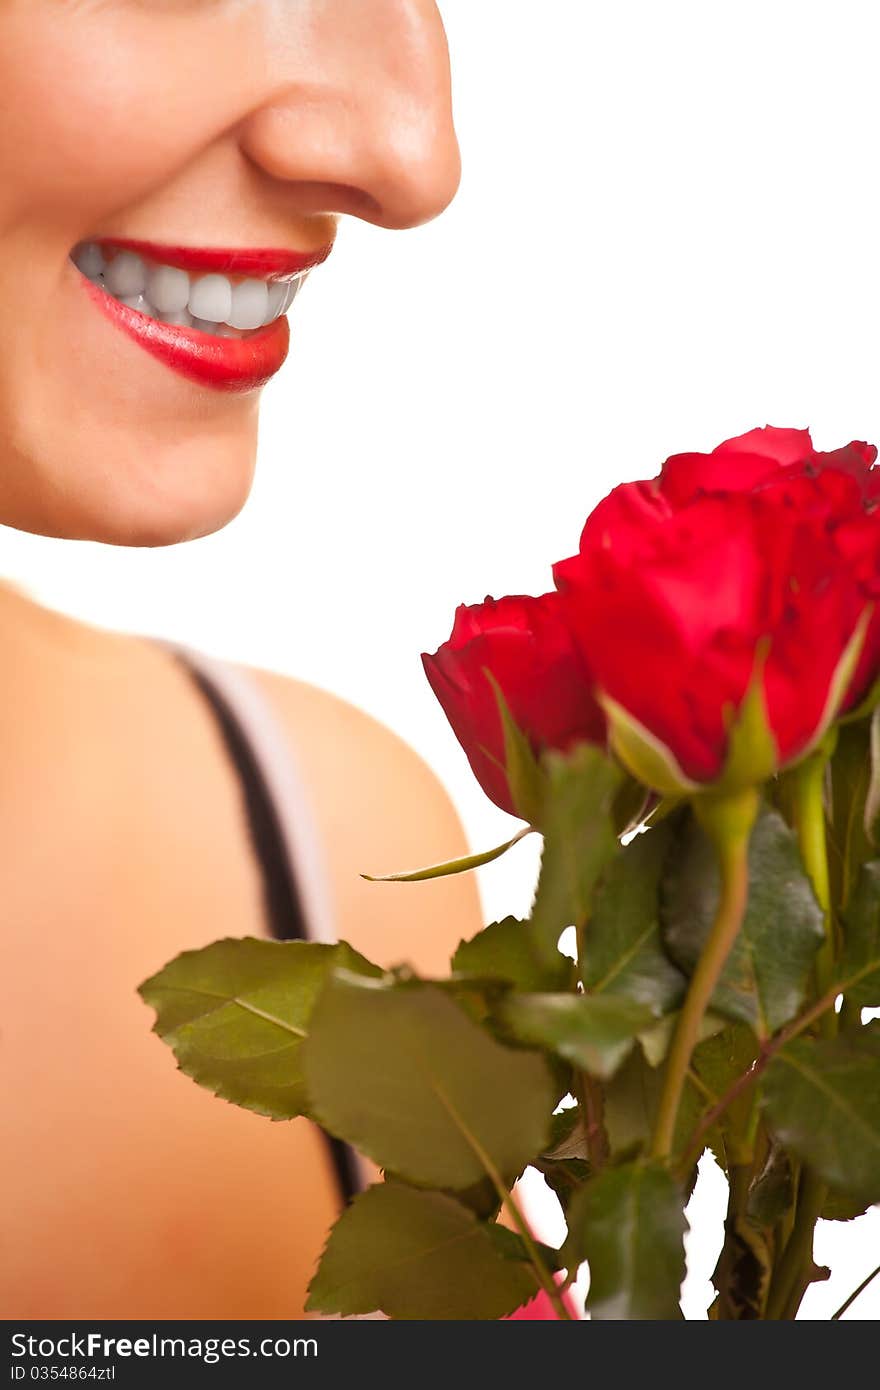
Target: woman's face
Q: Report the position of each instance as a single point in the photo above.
(170, 168)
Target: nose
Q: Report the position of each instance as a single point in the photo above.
(359, 118)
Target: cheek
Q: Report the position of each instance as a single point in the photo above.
(95, 117)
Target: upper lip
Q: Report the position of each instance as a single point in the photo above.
(264, 263)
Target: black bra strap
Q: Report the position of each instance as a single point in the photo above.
(284, 910)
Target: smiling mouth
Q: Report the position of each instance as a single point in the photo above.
(219, 305)
(215, 316)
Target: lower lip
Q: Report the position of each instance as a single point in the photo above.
(224, 364)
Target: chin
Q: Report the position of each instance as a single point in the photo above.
(132, 491)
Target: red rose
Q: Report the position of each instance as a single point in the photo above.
(764, 456)
(544, 678)
(843, 487)
(762, 549)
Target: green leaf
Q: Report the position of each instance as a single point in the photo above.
(592, 1031)
(629, 1223)
(568, 1137)
(564, 1164)
(451, 866)
(508, 951)
(839, 1207)
(657, 1040)
(631, 1099)
(717, 1062)
(852, 777)
(822, 1101)
(235, 1015)
(766, 976)
(401, 1072)
(772, 1193)
(860, 966)
(412, 1255)
(524, 776)
(564, 1176)
(579, 840)
(622, 951)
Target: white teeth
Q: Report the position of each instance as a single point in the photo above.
(250, 301)
(168, 289)
(179, 320)
(211, 298)
(212, 303)
(126, 275)
(89, 258)
(275, 299)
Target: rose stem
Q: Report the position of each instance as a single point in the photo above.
(588, 1092)
(545, 1279)
(847, 1303)
(728, 820)
(792, 1276)
(509, 1202)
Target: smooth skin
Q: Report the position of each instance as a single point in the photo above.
(128, 1192)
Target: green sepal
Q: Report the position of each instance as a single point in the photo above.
(842, 678)
(451, 866)
(752, 752)
(871, 701)
(522, 769)
(642, 753)
(872, 799)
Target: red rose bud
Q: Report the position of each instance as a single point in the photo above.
(751, 569)
(545, 681)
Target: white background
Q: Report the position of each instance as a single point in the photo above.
(666, 234)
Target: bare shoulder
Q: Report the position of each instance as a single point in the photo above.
(380, 809)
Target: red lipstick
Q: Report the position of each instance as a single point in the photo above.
(234, 363)
(226, 364)
(265, 263)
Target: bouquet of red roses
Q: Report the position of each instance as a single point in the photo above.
(691, 721)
